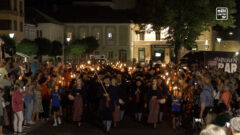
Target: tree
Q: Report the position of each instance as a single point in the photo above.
(78, 48)
(27, 47)
(44, 46)
(9, 44)
(56, 48)
(91, 44)
(185, 19)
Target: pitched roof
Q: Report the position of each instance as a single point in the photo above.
(89, 14)
(35, 16)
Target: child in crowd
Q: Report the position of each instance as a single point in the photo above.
(55, 103)
(18, 107)
(176, 108)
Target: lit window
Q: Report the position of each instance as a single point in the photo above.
(157, 54)
(142, 36)
(84, 35)
(110, 36)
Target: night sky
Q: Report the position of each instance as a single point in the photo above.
(48, 3)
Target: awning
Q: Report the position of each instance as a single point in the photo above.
(21, 54)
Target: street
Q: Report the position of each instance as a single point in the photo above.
(126, 127)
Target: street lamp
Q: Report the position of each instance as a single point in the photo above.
(237, 53)
(68, 40)
(206, 44)
(11, 35)
(219, 40)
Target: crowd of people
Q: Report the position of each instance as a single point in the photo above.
(106, 91)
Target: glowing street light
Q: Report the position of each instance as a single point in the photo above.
(11, 35)
(237, 53)
(68, 39)
(219, 40)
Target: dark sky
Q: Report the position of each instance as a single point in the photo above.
(47, 3)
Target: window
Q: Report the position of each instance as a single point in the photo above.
(98, 36)
(110, 36)
(123, 55)
(5, 25)
(83, 35)
(15, 5)
(39, 33)
(142, 36)
(5, 5)
(110, 55)
(21, 8)
(21, 26)
(141, 54)
(158, 35)
(15, 25)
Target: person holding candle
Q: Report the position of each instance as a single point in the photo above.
(116, 113)
(138, 100)
(122, 95)
(106, 104)
(79, 94)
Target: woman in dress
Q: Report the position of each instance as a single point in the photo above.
(153, 96)
(37, 105)
(79, 95)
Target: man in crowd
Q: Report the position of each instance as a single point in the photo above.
(235, 125)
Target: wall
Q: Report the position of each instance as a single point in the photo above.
(120, 36)
(150, 40)
(13, 16)
(228, 46)
(30, 31)
(52, 31)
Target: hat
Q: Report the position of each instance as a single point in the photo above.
(235, 123)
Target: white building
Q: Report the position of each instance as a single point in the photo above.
(40, 25)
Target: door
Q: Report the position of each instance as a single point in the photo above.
(141, 54)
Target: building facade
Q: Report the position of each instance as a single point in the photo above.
(12, 18)
(51, 31)
(152, 45)
(30, 31)
(114, 38)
